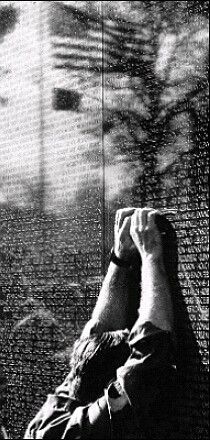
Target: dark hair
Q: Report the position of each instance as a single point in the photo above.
(94, 362)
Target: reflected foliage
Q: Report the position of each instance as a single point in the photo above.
(8, 19)
(153, 58)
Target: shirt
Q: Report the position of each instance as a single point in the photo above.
(147, 378)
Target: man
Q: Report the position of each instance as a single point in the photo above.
(120, 384)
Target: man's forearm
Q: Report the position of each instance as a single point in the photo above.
(156, 302)
(112, 305)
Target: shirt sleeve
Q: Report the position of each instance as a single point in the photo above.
(61, 420)
(148, 376)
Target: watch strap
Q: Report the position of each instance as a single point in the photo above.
(119, 261)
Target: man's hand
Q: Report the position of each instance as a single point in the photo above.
(124, 246)
(146, 235)
(3, 433)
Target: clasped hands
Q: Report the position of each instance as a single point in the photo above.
(136, 232)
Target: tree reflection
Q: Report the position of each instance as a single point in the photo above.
(153, 60)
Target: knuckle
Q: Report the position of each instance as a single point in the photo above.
(151, 212)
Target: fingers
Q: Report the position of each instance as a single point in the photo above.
(135, 219)
(151, 219)
(143, 214)
(143, 219)
(125, 229)
(121, 214)
(135, 227)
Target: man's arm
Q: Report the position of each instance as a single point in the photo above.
(156, 302)
(113, 310)
(149, 375)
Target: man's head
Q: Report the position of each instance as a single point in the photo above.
(94, 363)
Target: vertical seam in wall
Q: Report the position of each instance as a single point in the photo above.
(103, 156)
(41, 115)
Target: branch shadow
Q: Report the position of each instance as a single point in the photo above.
(135, 58)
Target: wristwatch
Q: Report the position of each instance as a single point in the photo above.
(119, 261)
